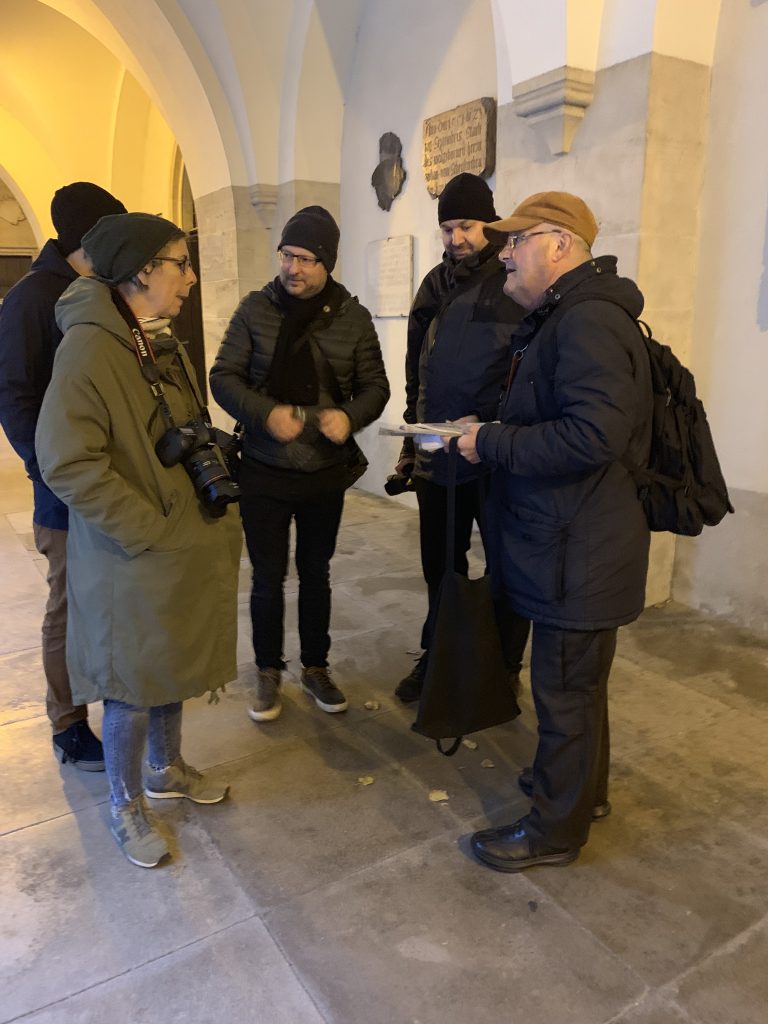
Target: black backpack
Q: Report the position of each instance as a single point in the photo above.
(682, 489)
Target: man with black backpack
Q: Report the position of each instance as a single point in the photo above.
(569, 535)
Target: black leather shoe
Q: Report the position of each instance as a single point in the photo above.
(525, 782)
(510, 848)
(77, 745)
(409, 689)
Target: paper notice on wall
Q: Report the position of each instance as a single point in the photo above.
(390, 276)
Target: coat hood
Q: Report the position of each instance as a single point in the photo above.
(598, 279)
(88, 301)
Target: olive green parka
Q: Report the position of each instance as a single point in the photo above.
(151, 577)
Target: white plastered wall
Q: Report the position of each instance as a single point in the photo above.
(411, 61)
(724, 571)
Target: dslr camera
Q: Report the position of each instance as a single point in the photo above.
(194, 446)
(400, 483)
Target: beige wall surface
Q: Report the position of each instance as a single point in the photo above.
(70, 112)
(411, 61)
(724, 571)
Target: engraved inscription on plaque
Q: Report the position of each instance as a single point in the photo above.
(390, 276)
(462, 139)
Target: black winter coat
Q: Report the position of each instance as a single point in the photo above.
(29, 337)
(569, 539)
(348, 341)
(458, 349)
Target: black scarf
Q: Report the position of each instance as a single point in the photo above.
(292, 377)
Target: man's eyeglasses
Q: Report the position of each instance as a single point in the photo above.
(287, 257)
(182, 262)
(514, 240)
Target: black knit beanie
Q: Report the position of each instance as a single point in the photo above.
(466, 197)
(315, 229)
(75, 209)
(120, 246)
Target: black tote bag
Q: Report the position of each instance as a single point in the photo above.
(467, 686)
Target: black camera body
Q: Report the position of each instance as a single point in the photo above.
(399, 483)
(194, 446)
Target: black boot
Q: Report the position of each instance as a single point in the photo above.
(77, 745)
(409, 689)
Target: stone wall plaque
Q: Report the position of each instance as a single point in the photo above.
(389, 271)
(462, 139)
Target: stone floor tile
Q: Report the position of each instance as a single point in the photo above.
(23, 684)
(24, 594)
(692, 742)
(36, 787)
(732, 985)
(362, 507)
(658, 886)
(76, 913)
(711, 655)
(15, 488)
(235, 976)
(656, 1009)
(427, 936)
(472, 788)
(217, 733)
(298, 817)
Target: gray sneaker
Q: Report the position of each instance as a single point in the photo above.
(318, 684)
(182, 780)
(141, 844)
(265, 697)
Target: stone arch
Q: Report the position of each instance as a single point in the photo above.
(39, 184)
(160, 49)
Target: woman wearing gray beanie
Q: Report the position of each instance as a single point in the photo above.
(153, 555)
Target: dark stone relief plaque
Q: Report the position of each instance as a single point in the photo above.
(462, 139)
(389, 174)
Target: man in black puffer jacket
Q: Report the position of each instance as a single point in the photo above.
(456, 361)
(301, 367)
(569, 539)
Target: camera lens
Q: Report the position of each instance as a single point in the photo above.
(211, 480)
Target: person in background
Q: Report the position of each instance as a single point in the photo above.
(29, 337)
(457, 357)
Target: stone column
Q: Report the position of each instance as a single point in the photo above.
(235, 258)
(638, 161)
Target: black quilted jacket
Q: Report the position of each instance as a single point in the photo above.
(349, 343)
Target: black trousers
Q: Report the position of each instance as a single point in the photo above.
(267, 523)
(433, 508)
(569, 676)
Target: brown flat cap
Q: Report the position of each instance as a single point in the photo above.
(561, 208)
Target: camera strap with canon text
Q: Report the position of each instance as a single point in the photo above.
(145, 354)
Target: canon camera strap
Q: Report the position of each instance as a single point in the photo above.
(145, 354)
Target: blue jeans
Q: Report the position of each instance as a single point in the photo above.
(127, 729)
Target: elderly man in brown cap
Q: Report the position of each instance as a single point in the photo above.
(569, 540)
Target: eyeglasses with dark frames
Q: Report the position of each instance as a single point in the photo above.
(287, 257)
(513, 241)
(182, 262)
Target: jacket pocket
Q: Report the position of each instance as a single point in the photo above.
(535, 555)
